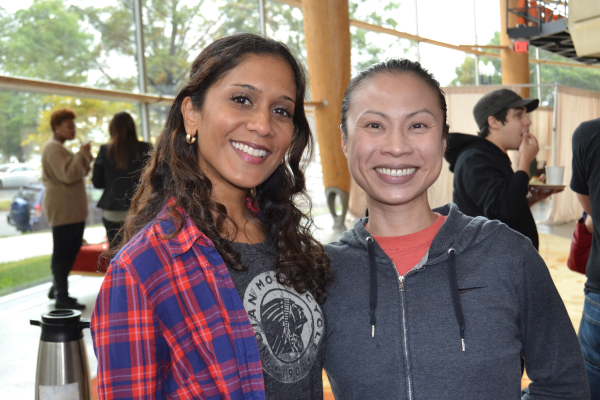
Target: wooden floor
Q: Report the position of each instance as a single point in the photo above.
(554, 250)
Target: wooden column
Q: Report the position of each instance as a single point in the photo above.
(515, 66)
(327, 35)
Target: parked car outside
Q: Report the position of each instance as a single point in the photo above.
(16, 175)
(27, 210)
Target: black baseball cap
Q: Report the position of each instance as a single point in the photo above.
(493, 102)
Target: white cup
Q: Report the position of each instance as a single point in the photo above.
(554, 175)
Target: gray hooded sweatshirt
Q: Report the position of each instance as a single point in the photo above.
(455, 326)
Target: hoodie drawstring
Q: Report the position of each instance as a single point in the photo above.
(460, 317)
(373, 283)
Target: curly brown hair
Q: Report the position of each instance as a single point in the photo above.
(302, 262)
(61, 115)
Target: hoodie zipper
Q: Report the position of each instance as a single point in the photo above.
(401, 288)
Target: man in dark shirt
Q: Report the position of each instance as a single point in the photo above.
(585, 182)
(484, 181)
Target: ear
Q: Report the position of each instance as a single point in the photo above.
(190, 116)
(494, 123)
(344, 143)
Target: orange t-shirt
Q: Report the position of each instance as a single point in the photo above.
(406, 251)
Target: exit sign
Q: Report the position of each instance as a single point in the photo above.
(521, 46)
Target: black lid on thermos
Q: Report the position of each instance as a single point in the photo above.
(62, 325)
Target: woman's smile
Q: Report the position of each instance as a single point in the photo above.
(245, 126)
(395, 144)
(251, 152)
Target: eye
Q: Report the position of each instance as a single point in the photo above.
(419, 125)
(283, 111)
(241, 99)
(373, 125)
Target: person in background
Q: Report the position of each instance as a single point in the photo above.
(484, 182)
(117, 170)
(217, 289)
(65, 202)
(433, 304)
(585, 182)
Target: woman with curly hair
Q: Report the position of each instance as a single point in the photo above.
(216, 291)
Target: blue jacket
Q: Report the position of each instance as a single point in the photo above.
(455, 326)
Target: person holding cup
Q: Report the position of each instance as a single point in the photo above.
(65, 202)
(484, 181)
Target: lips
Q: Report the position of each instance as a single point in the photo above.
(250, 150)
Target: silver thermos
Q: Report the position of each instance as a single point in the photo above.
(62, 365)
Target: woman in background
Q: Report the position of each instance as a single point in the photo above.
(117, 170)
(65, 202)
(217, 291)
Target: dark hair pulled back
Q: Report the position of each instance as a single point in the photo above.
(394, 66)
(173, 172)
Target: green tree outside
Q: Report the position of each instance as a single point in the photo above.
(51, 40)
(44, 41)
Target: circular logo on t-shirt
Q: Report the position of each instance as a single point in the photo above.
(288, 327)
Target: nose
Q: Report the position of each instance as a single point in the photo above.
(396, 143)
(527, 120)
(260, 122)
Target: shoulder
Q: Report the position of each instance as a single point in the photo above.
(144, 147)
(53, 150)
(160, 245)
(334, 247)
(52, 146)
(587, 131)
(145, 254)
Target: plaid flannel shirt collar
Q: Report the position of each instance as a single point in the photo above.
(189, 232)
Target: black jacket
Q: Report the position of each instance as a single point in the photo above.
(486, 185)
(119, 186)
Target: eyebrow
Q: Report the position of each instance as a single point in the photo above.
(257, 90)
(424, 110)
(373, 112)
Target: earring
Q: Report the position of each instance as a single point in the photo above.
(282, 161)
(190, 139)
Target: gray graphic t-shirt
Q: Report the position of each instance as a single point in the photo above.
(289, 326)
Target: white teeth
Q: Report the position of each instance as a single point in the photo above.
(396, 172)
(249, 150)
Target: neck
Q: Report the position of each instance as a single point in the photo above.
(247, 227)
(60, 139)
(399, 220)
(492, 137)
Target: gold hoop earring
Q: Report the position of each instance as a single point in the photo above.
(190, 139)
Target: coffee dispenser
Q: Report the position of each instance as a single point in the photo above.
(62, 365)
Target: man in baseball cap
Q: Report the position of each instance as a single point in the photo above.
(484, 181)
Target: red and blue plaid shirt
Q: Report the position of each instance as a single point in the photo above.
(168, 322)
